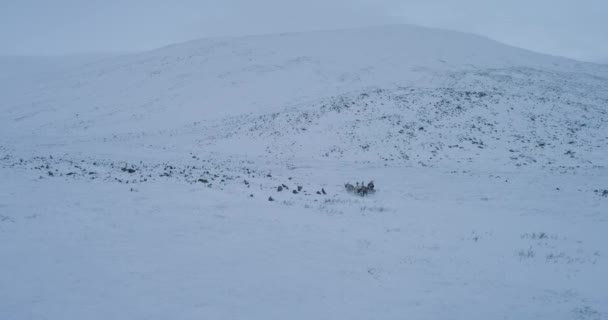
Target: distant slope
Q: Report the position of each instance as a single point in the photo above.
(20, 73)
(227, 76)
(412, 94)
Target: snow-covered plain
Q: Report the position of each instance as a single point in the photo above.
(137, 186)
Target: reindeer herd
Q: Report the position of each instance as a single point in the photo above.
(361, 189)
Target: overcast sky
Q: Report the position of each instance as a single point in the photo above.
(573, 28)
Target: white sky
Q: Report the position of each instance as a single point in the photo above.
(577, 29)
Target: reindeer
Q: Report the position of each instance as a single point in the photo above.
(360, 188)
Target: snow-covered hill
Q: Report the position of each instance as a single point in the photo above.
(207, 79)
(206, 180)
(385, 94)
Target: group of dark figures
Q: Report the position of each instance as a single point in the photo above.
(361, 189)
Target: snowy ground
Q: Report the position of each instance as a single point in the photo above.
(427, 245)
(138, 187)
